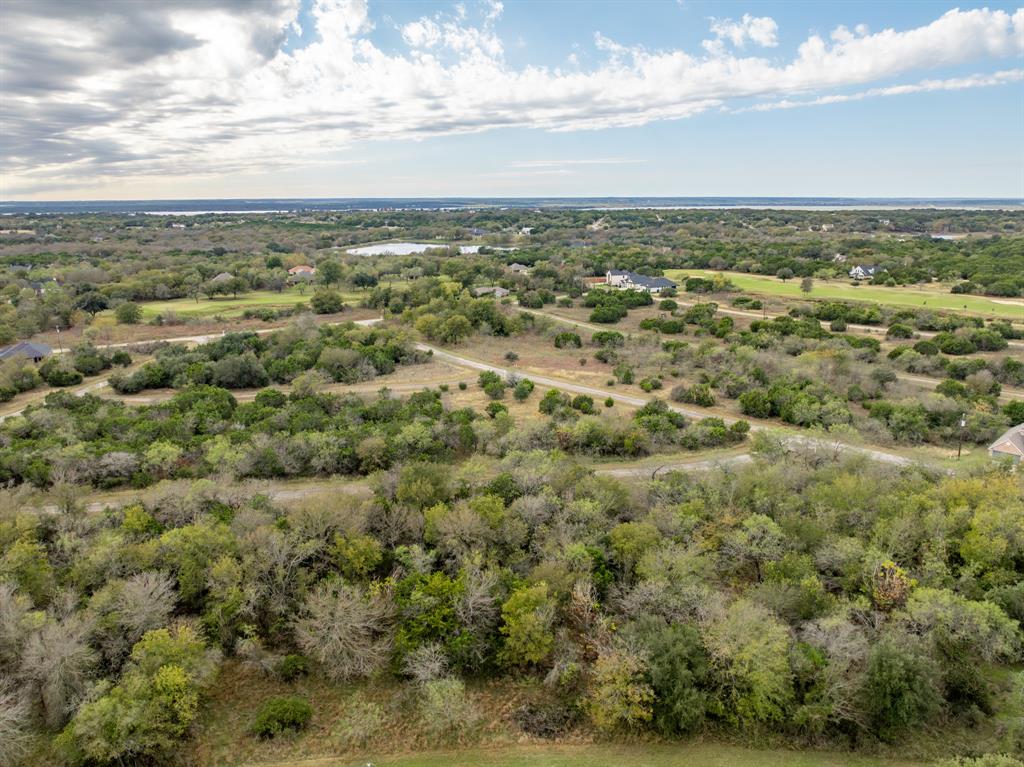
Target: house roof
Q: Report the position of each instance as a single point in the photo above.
(223, 276)
(301, 268)
(651, 282)
(517, 267)
(488, 289)
(29, 349)
(643, 280)
(1011, 443)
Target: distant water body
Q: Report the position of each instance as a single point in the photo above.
(341, 204)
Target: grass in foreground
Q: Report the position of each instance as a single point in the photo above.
(232, 307)
(607, 755)
(922, 297)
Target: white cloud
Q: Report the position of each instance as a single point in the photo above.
(1004, 77)
(422, 33)
(179, 91)
(761, 30)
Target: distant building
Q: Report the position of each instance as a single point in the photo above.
(490, 290)
(476, 231)
(864, 272)
(626, 280)
(526, 230)
(518, 268)
(43, 285)
(223, 277)
(302, 269)
(28, 349)
(1011, 444)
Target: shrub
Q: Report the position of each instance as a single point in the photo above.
(583, 402)
(523, 389)
(128, 313)
(609, 402)
(544, 720)
(698, 394)
(280, 714)
(58, 372)
(445, 710)
(608, 313)
(292, 667)
(493, 408)
(568, 340)
(327, 302)
(608, 338)
(650, 383)
(900, 331)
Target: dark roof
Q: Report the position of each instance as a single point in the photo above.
(28, 349)
(651, 282)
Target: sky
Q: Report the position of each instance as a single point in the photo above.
(139, 99)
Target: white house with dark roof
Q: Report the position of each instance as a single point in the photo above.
(626, 280)
(864, 272)
(1010, 445)
(490, 290)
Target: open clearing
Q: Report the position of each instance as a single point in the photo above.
(931, 298)
(233, 307)
(606, 755)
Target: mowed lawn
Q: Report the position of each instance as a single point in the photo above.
(932, 298)
(607, 755)
(227, 306)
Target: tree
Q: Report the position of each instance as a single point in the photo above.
(236, 285)
(807, 284)
(92, 302)
(527, 617)
(57, 665)
(330, 272)
(677, 670)
(901, 686)
(619, 696)
(128, 313)
(346, 629)
(749, 648)
(785, 273)
(144, 716)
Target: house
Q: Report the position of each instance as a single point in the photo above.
(43, 285)
(302, 269)
(223, 277)
(30, 349)
(518, 268)
(490, 290)
(863, 272)
(526, 231)
(1011, 444)
(476, 231)
(626, 280)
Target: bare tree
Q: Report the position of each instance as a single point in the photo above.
(14, 721)
(57, 666)
(14, 608)
(345, 629)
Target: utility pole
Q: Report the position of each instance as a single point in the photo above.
(960, 443)
(59, 345)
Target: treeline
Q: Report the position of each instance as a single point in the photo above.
(834, 602)
(341, 353)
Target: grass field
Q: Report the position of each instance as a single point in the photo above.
(938, 297)
(232, 307)
(606, 755)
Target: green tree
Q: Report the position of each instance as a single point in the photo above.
(527, 619)
(128, 313)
